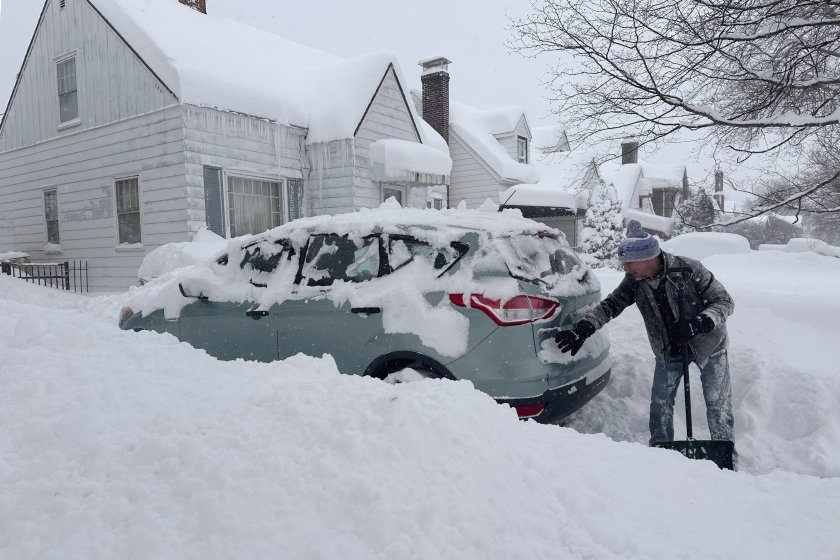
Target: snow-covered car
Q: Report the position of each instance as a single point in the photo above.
(457, 294)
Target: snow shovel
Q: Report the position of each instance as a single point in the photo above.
(720, 452)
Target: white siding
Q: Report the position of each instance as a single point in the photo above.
(509, 141)
(387, 117)
(471, 180)
(112, 83)
(83, 166)
(238, 144)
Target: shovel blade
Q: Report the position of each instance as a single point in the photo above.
(720, 452)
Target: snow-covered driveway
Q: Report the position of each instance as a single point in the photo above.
(131, 445)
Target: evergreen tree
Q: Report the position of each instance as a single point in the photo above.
(603, 227)
(695, 214)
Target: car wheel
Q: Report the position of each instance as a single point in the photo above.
(407, 375)
(403, 368)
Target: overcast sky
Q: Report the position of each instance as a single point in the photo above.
(471, 33)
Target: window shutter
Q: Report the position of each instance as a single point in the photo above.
(295, 191)
(213, 213)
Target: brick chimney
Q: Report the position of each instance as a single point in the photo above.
(435, 79)
(198, 5)
(629, 152)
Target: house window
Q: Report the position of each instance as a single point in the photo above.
(128, 210)
(395, 191)
(51, 215)
(68, 101)
(254, 205)
(521, 149)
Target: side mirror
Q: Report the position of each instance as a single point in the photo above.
(186, 295)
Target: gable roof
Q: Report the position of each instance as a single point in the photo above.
(478, 128)
(227, 65)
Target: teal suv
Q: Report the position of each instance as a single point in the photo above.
(452, 294)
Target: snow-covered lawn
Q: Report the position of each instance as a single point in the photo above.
(131, 445)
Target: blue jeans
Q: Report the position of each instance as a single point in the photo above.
(716, 389)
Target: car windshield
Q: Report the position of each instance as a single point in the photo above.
(539, 258)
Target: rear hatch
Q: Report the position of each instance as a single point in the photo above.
(547, 267)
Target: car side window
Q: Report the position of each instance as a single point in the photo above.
(333, 257)
(264, 256)
(404, 249)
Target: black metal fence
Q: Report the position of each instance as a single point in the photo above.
(67, 275)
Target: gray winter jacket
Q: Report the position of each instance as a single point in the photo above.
(703, 294)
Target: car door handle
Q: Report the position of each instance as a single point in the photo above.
(256, 313)
(365, 310)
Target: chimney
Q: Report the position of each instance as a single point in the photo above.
(629, 152)
(719, 189)
(198, 5)
(435, 79)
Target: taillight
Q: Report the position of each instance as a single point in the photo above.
(517, 310)
(529, 410)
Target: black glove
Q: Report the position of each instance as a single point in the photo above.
(681, 331)
(574, 339)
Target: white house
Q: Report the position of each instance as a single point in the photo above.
(132, 124)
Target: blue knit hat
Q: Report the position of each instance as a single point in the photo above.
(639, 244)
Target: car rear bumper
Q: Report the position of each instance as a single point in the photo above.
(562, 401)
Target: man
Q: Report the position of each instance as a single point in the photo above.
(653, 281)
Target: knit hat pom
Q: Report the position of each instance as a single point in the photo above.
(634, 229)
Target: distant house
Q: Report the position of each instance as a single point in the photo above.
(132, 124)
(649, 192)
(490, 149)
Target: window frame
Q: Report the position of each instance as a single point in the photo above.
(59, 62)
(119, 213)
(47, 219)
(229, 174)
(522, 142)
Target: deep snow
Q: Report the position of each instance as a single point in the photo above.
(132, 445)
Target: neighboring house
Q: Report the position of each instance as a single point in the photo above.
(649, 192)
(490, 149)
(132, 124)
(567, 177)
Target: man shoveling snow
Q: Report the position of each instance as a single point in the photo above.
(653, 281)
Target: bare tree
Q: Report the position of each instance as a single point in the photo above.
(756, 75)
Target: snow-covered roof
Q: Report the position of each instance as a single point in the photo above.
(538, 195)
(478, 128)
(215, 62)
(396, 160)
(549, 139)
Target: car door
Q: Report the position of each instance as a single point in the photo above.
(246, 330)
(312, 323)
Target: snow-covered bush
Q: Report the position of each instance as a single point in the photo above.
(603, 227)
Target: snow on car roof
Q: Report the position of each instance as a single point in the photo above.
(390, 217)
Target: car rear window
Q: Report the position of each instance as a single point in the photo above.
(538, 258)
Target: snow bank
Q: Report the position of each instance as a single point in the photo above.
(137, 446)
(801, 244)
(7, 256)
(204, 246)
(699, 245)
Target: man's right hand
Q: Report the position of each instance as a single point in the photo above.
(573, 340)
